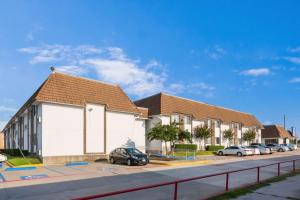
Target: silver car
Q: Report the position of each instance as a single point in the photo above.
(262, 149)
(255, 149)
(278, 147)
(291, 147)
(235, 150)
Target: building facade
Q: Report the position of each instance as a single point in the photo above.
(71, 118)
(276, 134)
(165, 108)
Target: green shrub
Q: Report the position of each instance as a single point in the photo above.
(192, 147)
(14, 152)
(214, 147)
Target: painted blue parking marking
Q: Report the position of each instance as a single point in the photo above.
(76, 164)
(54, 170)
(38, 176)
(2, 178)
(20, 168)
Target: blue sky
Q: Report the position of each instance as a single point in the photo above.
(244, 55)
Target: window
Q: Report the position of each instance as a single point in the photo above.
(209, 123)
(218, 124)
(175, 118)
(217, 140)
(187, 119)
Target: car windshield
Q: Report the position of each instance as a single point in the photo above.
(133, 151)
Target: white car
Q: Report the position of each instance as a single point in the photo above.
(262, 149)
(235, 150)
(2, 158)
(255, 150)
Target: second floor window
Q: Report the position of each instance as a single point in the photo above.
(187, 119)
(175, 118)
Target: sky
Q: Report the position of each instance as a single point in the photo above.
(243, 55)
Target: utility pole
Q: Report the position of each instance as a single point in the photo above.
(284, 121)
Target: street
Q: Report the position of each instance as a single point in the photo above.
(98, 178)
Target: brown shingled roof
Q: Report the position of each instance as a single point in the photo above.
(143, 112)
(274, 131)
(62, 88)
(167, 104)
(67, 89)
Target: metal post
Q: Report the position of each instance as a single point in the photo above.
(227, 182)
(175, 191)
(258, 174)
(186, 154)
(278, 169)
(294, 166)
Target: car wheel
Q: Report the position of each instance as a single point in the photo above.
(280, 150)
(220, 153)
(112, 160)
(239, 154)
(129, 162)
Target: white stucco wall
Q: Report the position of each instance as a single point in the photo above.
(120, 131)
(39, 129)
(95, 128)
(139, 134)
(154, 145)
(62, 130)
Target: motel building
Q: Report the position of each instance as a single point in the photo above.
(73, 119)
(164, 108)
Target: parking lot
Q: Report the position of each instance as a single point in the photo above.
(65, 182)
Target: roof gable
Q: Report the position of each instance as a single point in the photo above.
(274, 131)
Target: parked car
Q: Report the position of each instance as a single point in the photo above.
(255, 149)
(235, 150)
(262, 148)
(278, 147)
(129, 156)
(291, 147)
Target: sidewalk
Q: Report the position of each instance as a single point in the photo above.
(286, 189)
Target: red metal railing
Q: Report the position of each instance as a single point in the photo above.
(175, 183)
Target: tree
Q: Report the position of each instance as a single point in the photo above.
(164, 133)
(249, 135)
(228, 134)
(184, 135)
(202, 133)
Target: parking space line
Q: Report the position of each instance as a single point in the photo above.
(2, 178)
(54, 170)
(71, 167)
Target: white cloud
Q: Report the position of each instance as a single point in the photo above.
(110, 64)
(295, 60)
(72, 69)
(7, 109)
(256, 72)
(55, 53)
(216, 52)
(294, 50)
(295, 80)
(200, 88)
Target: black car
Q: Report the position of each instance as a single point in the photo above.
(129, 156)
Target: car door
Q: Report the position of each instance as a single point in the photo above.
(123, 156)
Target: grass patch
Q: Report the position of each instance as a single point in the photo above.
(242, 191)
(198, 153)
(17, 161)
